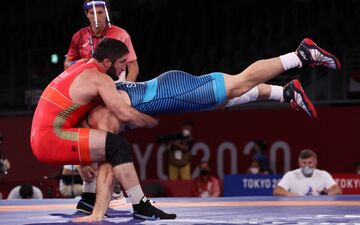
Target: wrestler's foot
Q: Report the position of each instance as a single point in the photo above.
(312, 55)
(145, 211)
(295, 95)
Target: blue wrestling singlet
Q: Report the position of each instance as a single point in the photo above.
(176, 91)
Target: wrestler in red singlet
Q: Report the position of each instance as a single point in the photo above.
(57, 117)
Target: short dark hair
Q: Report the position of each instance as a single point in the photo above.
(188, 123)
(262, 145)
(110, 48)
(26, 191)
(307, 153)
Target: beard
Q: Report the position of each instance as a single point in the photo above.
(112, 73)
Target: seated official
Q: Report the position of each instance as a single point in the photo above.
(307, 180)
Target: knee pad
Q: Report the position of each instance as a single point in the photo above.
(117, 150)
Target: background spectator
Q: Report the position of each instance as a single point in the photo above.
(206, 185)
(180, 154)
(357, 168)
(261, 157)
(25, 191)
(4, 164)
(254, 168)
(178, 146)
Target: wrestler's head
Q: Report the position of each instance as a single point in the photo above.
(97, 13)
(113, 54)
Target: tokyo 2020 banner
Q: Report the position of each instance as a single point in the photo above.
(222, 137)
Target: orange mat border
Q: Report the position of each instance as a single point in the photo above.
(189, 204)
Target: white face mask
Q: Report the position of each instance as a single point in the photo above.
(307, 171)
(254, 170)
(186, 132)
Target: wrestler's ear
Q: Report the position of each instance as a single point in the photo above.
(107, 63)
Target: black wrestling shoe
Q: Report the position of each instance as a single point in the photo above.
(86, 203)
(145, 211)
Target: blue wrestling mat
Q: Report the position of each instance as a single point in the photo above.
(227, 210)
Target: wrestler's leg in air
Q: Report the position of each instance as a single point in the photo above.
(308, 53)
(292, 93)
(178, 91)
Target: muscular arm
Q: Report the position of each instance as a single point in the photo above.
(119, 107)
(92, 85)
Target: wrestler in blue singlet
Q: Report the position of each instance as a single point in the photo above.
(176, 91)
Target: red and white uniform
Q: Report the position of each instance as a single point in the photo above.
(209, 187)
(55, 138)
(84, 40)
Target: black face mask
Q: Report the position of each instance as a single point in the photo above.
(112, 72)
(204, 172)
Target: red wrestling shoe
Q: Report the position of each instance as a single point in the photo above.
(312, 55)
(295, 95)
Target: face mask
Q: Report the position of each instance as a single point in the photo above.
(254, 170)
(307, 171)
(204, 172)
(186, 132)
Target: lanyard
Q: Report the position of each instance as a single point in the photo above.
(92, 44)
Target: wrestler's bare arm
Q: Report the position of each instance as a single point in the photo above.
(121, 109)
